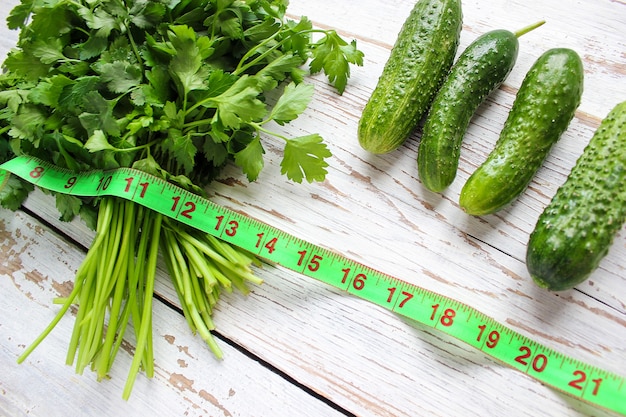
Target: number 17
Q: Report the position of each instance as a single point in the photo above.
(407, 296)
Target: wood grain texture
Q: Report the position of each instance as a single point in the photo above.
(38, 265)
(367, 361)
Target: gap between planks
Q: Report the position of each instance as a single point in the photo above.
(216, 333)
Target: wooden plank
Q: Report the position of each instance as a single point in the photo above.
(373, 209)
(36, 266)
(351, 351)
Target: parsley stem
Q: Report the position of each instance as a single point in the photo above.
(66, 305)
(92, 326)
(69, 160)
(167, 245)
(104, 220)
(134, 231)
(140, 147)
(143, 332)
(141, 273)
(187, 287)
(196, 123)
(259, 127)
(243, 66)
(133, 45)
(116, 313)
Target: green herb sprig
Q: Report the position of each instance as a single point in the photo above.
(175, 88)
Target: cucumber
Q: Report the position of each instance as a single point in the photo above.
(419, 62)
(543, 108)
(577, 228)
(479, 70)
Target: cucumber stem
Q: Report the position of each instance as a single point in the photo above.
(529, 28)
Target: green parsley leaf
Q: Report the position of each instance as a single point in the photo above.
(72, 97)
(304, 157)
(149, 165)
(19, 14)
(229, 23)
(214, 150)
(100, 20)
(146, 14)
(28, 123)
(25, 65)
(49, 50)
(138, 124)
(218, 83)
(119, 49)
(297, 37)
(181, 148)
(120, 76)
(98, 115)
(219, 133)
(92, 47)
(89, 215)
(68, 206)
(187, 63)
(240, 104)
(274, 8)
(250, 159)
(75, 68)
(333, 55)
(14, 192)
(12, 99)
(172, 116)
(40, 27)
(70, 150)
(277, 70)
(226, 20)
(48, 91)
(98, 142)
(292, 102)
(157, 91)
(259, 33)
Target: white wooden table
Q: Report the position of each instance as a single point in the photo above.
(296, 347)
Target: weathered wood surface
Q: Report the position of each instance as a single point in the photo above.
(303, 345)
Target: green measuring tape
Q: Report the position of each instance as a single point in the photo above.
(559, 371)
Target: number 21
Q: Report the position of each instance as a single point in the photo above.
(581, 377)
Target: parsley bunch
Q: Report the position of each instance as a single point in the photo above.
(175, 88)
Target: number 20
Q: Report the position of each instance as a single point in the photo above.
(538, 363)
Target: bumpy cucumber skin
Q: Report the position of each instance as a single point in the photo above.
(480, 69)
(543, 108)
(419, 62)
(577, 228)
